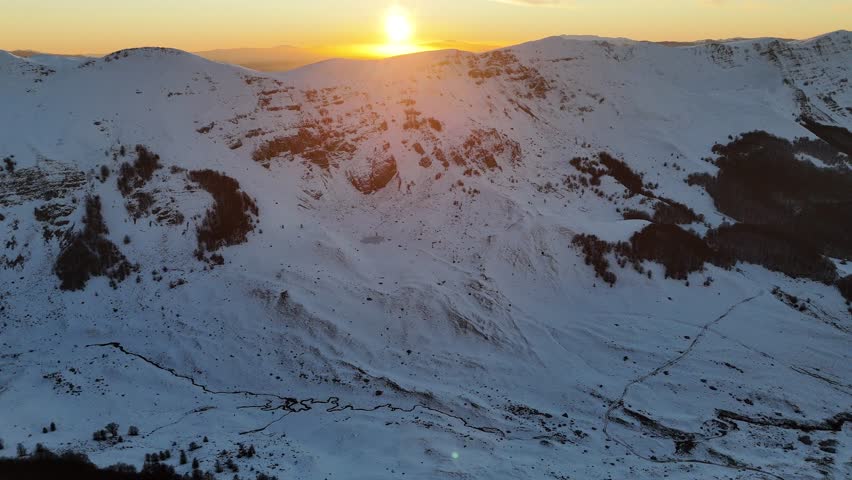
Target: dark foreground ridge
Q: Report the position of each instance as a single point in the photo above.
(44, 464)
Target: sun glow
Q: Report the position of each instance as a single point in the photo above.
(398, 28)
(400, 39)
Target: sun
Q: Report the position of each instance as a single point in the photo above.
(398, 28)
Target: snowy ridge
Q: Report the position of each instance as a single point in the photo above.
(407, 288)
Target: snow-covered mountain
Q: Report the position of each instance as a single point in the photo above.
(565, 259)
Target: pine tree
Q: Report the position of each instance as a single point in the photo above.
(22, 450)
(52, 427)
(182, 457)
(195, 464)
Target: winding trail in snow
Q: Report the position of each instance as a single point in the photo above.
(293, 405)
(619, 402)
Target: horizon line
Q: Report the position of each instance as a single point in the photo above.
(485, 45)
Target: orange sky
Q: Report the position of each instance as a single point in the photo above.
(345, 27)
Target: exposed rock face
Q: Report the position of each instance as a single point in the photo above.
(375, 176)
(46, 181)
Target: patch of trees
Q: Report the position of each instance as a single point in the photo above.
(247, 452)
(43, 463)
(54, 217)
(140, 204)
(670, 212)
(109, 432)
(622, 173)
(230, 219)
(9, 163)
(679, 250)
(761, 182)
(133, 176)
(772, 248)
(823, 151)
(666, 210)
(633, 214)
(89, 253)
(160, 456)
(595, 252)
(845, 286)
(682, 252)
(606, 164)
(838, 137)
(589, 167)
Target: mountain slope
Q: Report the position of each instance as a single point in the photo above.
(386, 260)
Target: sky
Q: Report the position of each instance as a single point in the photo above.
(353, 27)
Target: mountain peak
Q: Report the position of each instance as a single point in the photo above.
(145, 52)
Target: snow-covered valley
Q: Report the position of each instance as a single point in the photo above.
(526, 263)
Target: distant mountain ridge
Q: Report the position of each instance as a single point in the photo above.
(288, 57)
(279, 58)
(268, 59)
